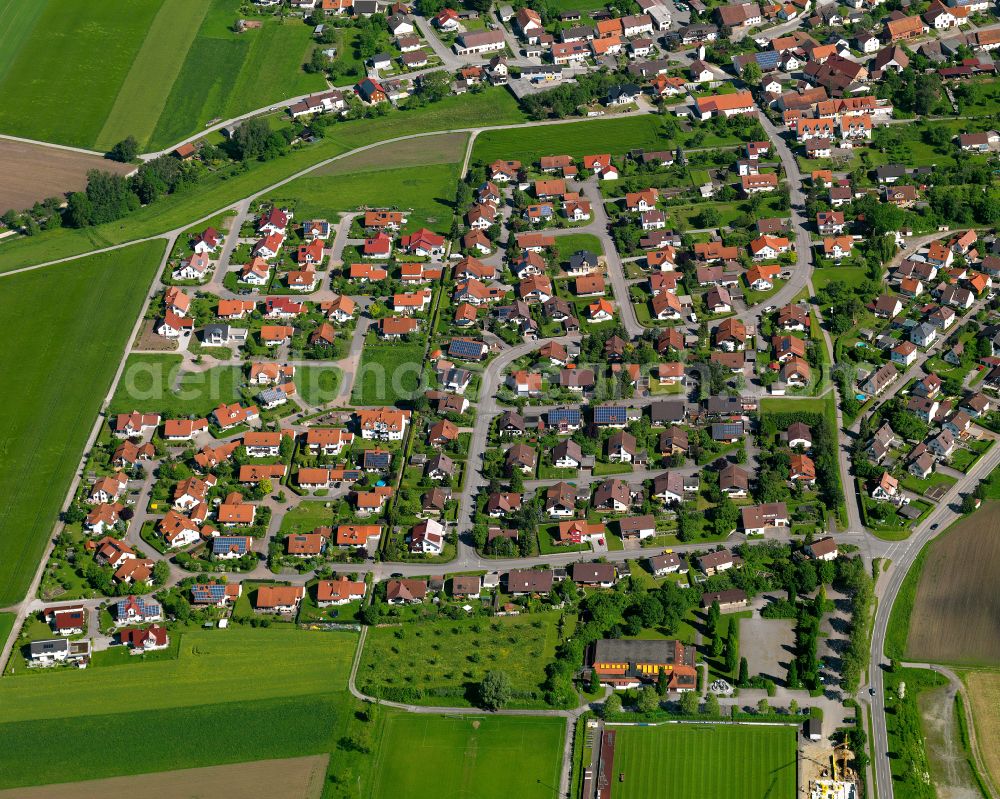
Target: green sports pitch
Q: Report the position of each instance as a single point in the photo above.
(705, 761)
(468, 757)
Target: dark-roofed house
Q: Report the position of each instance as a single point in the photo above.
(521, 582)
(667, 563)
(600, 575)
(729, 600)
(613, 495)
(637, 527)
(822, 549)
(715, 562)
(404, 592)
(757, 518)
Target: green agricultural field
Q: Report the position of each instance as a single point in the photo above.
(446, 659)
(140, 100)
(234, 665)
(17, 21)
(490, 757)
(721, 761)
(166, 67)
(152, 382)
(180, 737)
(388, 373)
(68, 326)
(55, 89)
(216, 191)
(427, 191)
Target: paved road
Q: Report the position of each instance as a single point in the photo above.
(902, 555)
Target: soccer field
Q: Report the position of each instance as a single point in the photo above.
(469, 757)
(684, 761)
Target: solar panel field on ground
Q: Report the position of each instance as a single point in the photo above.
(721, 761)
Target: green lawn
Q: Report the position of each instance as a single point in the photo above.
(428, 190)
(234, 665)
(306, 517)
(150, 383)
(216, 191)
(180, 737)
(67, 329)
(388, 372)
(720, 761)
(570, 243)
(851, 275)
(488, 757)
(318, 384)
(442, 662)
(921, 487)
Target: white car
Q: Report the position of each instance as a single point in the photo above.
(693, 317)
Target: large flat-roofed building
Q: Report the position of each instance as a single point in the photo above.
(627, 664)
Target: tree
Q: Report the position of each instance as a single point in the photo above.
(793, 707)
(732, 645)
(662, 683)
(744, 679)
(612, 705)
(714, 613)
(435, 86)
(711, 707)
(495, 690)
(126, 150)
(752, 73)
(763, 707)
(595, 678)
(689, 703)
(648, 700)
(161, 572)
(793, 674)
(250, 139)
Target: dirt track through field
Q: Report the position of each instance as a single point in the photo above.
(447, 148)
(33, 172)
(292, 778)
(956, 615)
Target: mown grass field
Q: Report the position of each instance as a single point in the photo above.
(487, 757)
(446, 659)
(721, 761)
(427, 192)
(956, 617)
(150, 382)
(491, 107)
(178, 737)
(234, 665)
(67, 327)
(166, 67)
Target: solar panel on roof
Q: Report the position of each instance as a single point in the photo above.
(610, 414)
(471, 349)
(564, 416)
(768, 59)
